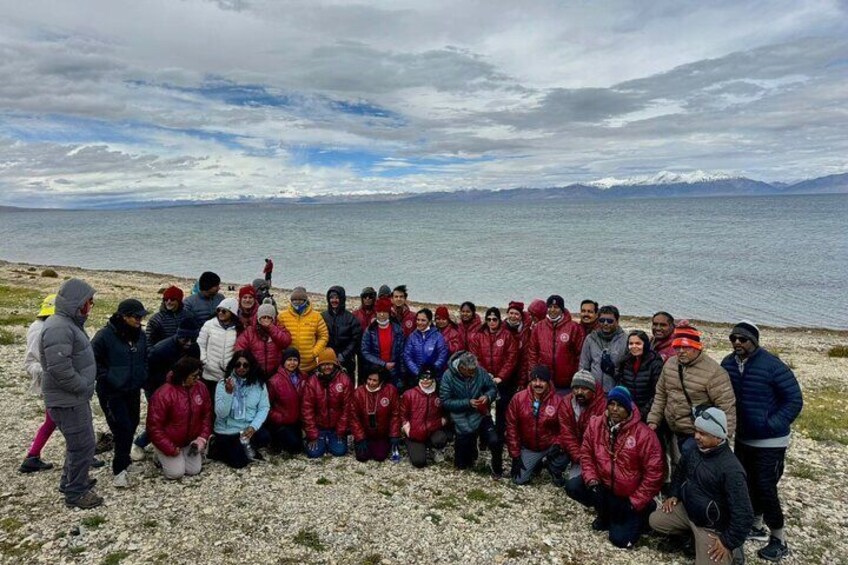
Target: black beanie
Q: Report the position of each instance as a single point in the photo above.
(555, 299)
(208, 280)
(747, 329)
(290, 352)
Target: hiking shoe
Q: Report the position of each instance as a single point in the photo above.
(438, 456)
(758, 534)
(121, 480)
(89, 499)
(737, 557)
(105, 442)
(137, 453)
(97, 463)
(774, 551)
(33, 464)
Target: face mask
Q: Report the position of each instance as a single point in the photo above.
(383, 324)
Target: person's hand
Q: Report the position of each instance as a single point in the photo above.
(178, 451)
(361, 447)
(390, 366)
(483, 399)
(669, 504)
(517, 467)
(653, 426)
(497, 380)
(229, 385)
(265, 322)
(200, 443)
(717, 551)
(248, 432)
(444, 421)
(405, 429)
(312, 445)
(475, 402)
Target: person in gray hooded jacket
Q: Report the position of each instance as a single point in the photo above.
(605, 348)
(68, 385)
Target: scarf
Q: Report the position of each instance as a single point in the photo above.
(555, 320)
(239, 408)
(383, 324)
(428, 390)
(300, 309)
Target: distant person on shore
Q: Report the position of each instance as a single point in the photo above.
(535, 425)
(662, 330)
(585, 401)
(120, 351)
(265, 339)
(268, 270)
(447, 326)
(467, 392)
(164, 323)
(605, 348)
(518, 323)
(622, 465)
(640, 371)
(67, 382)
(324, 408)
(285, 392)
(401, 310)
(345, 330)
(248, 306)
(204, 303)
(768, 400)
(589, 317)
(374, 418)
(308, 330)
(179, 420)
(710, 484)
(217, 342)
(423, 421)
(425, 347)
(555, 342)
(382, 343)
(469, 320)
(690, 382)
(365, 313)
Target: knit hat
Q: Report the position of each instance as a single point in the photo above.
(48, 306)
(368, 291)
(247, 289)
(712, 421)
(383, 305)
(290, 352)
(442, 312)
(747, 329)
(687, 336)
(540, 372)
(537, 308)
(230, 304)
(299, 293)
(426, 373)
(131, 307)
(583, 379)
(384, 291)
(622, 396)
(515, 305)
(555, 299)
(266, 310)
(327, 356)
(173, 293)
(188, 328)
(208, 280)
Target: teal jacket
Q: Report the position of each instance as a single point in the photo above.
(256, 408)
(456, 393)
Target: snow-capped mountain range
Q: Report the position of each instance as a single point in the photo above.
(662, 177)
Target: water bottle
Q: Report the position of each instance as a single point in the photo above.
(248, 449)
(395, 455)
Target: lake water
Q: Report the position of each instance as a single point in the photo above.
(775, 260)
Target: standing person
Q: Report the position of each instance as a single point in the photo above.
(768, 399)
(535, 426)
(690, 382)
(450, 333)
(555, 342)
(263, 292)
(537, 310)
(345, 330)
(265, 339)
(308, 331)
(622, 467)
(710, 482)
(179, 420)
(604, 349)
(324, 408)
(268, 270)
(248, 306)
(589, 317)
(382, 343)
(518, 323)
(401, 311)
(662, 330)
(640, 371)
(365, 313)
(120, 350)
(423, 421)
(374, 418)
(469, 320)
(585, 401)
(67, 382)
(217, 341)
(425, 347)
(467, 393)
(164, 323)
(203, 305)
(285, 392)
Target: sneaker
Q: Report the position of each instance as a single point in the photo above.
(438, 456)
(137, 453)
(91, 483)
(89, 499)
(758, 534)
(33, 464)
(774, 551)
(121, 480)
(97, 463)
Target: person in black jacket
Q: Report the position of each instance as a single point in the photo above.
(120, 352)
(164, 323)
(640, 371)
(345, 330)
(711, 484)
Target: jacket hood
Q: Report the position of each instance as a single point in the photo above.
(71, 296)
(538, 308)
(342, 298)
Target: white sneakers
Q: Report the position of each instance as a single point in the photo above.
(121, 480)
(137, 453)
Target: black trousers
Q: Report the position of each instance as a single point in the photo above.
(286, 438)
(624, 522)
(465, 446)
(122, 411)
(229, 450)
(764, 468)
(418, 450)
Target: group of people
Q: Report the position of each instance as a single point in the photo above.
(614, 417)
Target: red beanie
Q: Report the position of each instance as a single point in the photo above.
(247, 289)
(383, 305)
(173, 293)
(442, 312)
(538, 309)
(515, 305)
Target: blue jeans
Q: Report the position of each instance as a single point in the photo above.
(328, 440)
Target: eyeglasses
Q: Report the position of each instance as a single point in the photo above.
(607, 321)
(242, 365)
(171, 300)
(707, 416)
(493, 319)
(739, 339)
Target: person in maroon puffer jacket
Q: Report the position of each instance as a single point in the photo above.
(585, 401)
(423, 421)
(285, 391)
(247, 306)
(556, 343)
(401, 311)
(324, 407)
(622, 465)
(469, 320)
(179, 419)
(449, 330)
(374, 418)
(265, 339)
(518, 322)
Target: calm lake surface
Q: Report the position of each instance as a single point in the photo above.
(774, 260)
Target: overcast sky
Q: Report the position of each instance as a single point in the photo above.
(104, 101)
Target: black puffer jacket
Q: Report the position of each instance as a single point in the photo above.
(345, 330)
(121, 356)
(642, 384)
(162, 358)
(163, 324)
(714, 492)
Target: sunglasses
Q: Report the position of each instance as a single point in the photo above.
(707, 416)
(739, 339)
(607, 321)
(242, 365)
(493, 319)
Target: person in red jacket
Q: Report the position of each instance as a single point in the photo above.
(537, 310)
(423, 421)
(179, 419)
(556, 343)
(268, 270)
(365, 313)
(323, 409)
(247, 307)
(285, 390)
(469, 320)
(535, 422)
(662, 332)
(374, 418)
(518, 323)
(585, 401)
(449, 330)
(401, 311)
(622, 464)
(266, 339)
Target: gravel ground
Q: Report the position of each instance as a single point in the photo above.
(291, 510)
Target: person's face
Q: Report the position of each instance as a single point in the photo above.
(705, 440)
(554, 311)
(635, 346)
(367, 300)
(382, 316)
(266, 320)
(426, 382)
(191, 379)
(297, 303)
(616, 412)
(171, 304)
(608, 323)
(334, 301)
(466, 314)
(588, 314)
(211, 292)
(539, 387)
(661, 327)
(242, 367)
(441, 323)
(583, 395)
(492, 322)
(398, 299)
(373, 381)
(224, 315)
(247, 301)
(686, 354)
(86, 307)
(742, 346)
(326, 369)
(185, 342)
(467, 372)
(421, 322)
(133, 321)
(514, 316)
(291, 364)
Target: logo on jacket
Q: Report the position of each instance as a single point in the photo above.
(563, 338)
(437, 402)
(198, 399)
(339, 387)
(549, 410)
(384, 402)
(630, 443)
(408, 323)
(499, 343)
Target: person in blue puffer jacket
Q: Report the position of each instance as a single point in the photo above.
(382, 344)
(425, 347)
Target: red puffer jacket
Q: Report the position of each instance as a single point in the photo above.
(575, 428)
(324, 407)
(534, 433)
(557, 348)
(266, 346)
(384, 404)
(423, 412)
(452, 338)
(177, 416)
(522, 336)
(285, 398)
(406, 318)
(632, 467)
(365, 317)
(467, 330)
(496, 352)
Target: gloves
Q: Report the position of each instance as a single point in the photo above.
(517, 467)
(395, 441)
(555, 451)
(361, 447)
(607, 366)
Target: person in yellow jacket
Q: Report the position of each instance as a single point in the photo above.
(308, 330)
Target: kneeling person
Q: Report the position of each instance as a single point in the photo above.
(324, 407)
(423, 421)
(374, 418)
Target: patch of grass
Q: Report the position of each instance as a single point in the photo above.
(115, 557)
(449, 502)
(434, 518)
(839, 351)
(372, 559)
(150, 523)
(16, 319)
(386, 493)
(803, 470)
(323, 481)
(399, 483)
(10, 524)
(471, 518)
(77, 549)
(19, 298)
(480, 495)
(309, 538)
(825, 416)
(7, 337)
(94, 521)
(9, 548)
